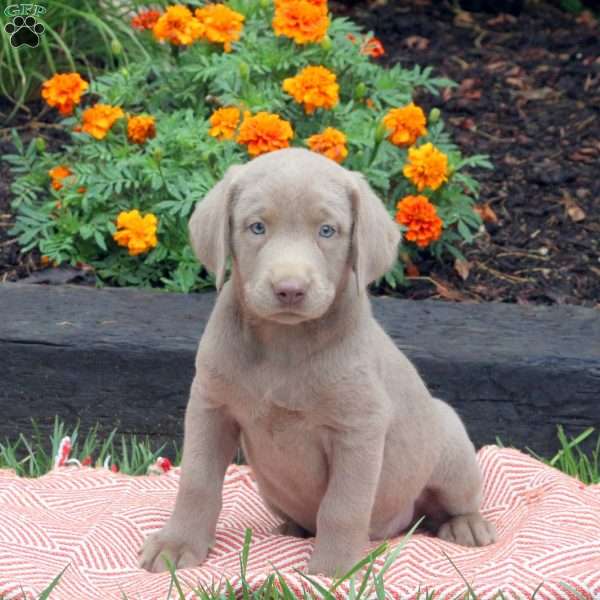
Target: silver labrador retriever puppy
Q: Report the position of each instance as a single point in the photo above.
(345, 441)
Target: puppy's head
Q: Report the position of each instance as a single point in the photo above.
(296, 224)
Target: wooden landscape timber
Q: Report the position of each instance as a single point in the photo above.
(125, 358)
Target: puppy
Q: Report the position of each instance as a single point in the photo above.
(344, 439)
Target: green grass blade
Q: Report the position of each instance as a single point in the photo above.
(285, 590)
(46, 593)
(571, 589)
(567, 446)
(471, 591)
(174, 579)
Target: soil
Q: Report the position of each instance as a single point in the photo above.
(529, 97)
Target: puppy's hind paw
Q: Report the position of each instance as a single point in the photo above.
(468, 530)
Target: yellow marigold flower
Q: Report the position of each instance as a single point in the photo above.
(405, 124)
(63, 91)
(140, 129)
(421, 218)
(426, 167)
(98, 119)
(58, 174)
(224, 123)
(315, 87)
(220, 24)
(331, 143)
(264, 132)
(178, 25)
(303, 21)
(136, 233)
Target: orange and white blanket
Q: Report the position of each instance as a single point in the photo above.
(94, 521)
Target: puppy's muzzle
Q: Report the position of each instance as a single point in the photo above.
(290, 291)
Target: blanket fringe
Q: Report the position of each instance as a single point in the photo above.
(63, 458)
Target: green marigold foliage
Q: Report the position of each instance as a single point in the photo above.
(181, 87)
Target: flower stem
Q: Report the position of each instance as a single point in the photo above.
(375, 152)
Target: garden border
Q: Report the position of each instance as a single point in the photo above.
(511, 371)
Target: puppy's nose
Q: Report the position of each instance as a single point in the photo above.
(290, 291)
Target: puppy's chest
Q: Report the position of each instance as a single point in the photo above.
(277, 403)
(280, 406)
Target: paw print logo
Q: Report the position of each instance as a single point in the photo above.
(24, 31)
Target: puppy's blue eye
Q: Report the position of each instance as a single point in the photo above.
(258, 228)
(326, 231)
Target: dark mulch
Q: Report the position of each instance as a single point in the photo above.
(37, 121)
(529, 97)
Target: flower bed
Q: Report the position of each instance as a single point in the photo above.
(225, 84)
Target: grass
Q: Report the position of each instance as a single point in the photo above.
(33, 457)
(572, 460)
(79, 35)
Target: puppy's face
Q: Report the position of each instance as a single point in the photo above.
(296, 224)
(291, 238)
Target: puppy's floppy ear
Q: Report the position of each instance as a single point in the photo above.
(375, 235)
(209, 226)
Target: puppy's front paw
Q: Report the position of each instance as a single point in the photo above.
(331, 565)
(178, 548)
(468, 530)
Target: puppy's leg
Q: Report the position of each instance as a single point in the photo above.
(456, 487)
(210, 440)
(344, 514)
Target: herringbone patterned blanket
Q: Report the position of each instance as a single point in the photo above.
(94, 521)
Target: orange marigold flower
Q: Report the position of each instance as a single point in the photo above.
(141, 128)
(98, 119)
(421, 218)
(220, 24)
(303, 21)
(224, 123)
(331, 143)
(135, 232)
(372, 47)
(63, 91)
(145, 19)
(426, 167)
(405, 124)
(178, 26)
(58, 174)
(315, 87)
(322, 4)
(264, 132)
(46, 261)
